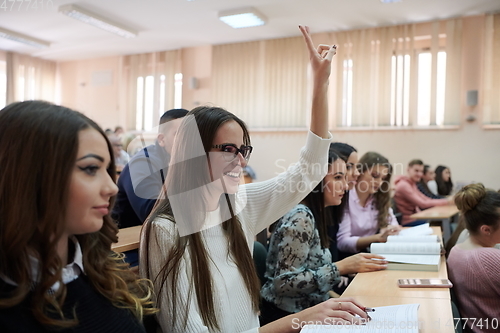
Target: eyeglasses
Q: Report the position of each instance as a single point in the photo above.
(231, 151)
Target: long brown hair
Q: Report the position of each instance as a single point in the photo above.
(38, 149)
(382, 198)
(193, 172)
(315, 200)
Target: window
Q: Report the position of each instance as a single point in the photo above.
(151, 100)
(3, 84)
(347, 95)
(178, 91)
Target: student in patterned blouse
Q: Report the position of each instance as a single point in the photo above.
(299, 268)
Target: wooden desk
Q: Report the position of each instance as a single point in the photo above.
(128, 239)
(434, 315)
(384, 283)
(447, 214)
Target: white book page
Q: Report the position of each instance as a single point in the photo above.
(405, 248)
(414, 239)
(423, 229)
(413, 259)
(385, 319)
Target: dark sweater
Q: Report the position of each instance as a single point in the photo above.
(139, 184)
(94, 312)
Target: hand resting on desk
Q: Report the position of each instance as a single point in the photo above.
(361, 263)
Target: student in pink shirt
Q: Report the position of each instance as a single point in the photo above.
(409, 199)
(369, 217)
(473, 266)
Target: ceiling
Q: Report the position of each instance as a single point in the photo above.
(173, 24)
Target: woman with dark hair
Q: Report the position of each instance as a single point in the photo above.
(350, 155)
(57, 270)
(300, 270)
(443, 180)
(427, 185)
(196, 245)
(369, 217)
(473, 264)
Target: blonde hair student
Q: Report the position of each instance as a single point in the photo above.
(473, 264)
(57, 270)
(196, 245)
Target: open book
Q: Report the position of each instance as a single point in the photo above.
(404, 253)
(385, 319)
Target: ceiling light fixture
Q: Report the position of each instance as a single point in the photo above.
(390, 1)
(96, 20)
(242, 18)
(17, 37)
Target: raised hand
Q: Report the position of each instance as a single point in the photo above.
(320, 57)
(321, 63)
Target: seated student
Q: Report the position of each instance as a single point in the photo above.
(443, 181)
(473, 265)
(141, 180)
(196, 245)
(428, 181)
(57, 270)
(350, 155)
(409, 199)
(299, 267)
(369, 217)
(121, 156)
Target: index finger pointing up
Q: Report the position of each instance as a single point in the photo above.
(307, 38)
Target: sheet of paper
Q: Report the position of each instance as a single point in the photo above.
(423, 229)
(413, 259)
(385, 319)
(405, 248)
(413, 239)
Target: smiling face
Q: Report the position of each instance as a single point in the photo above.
(91, 186)
(371, 180)
(221, 167)
(415, 172)
(335, 183)
(352, 170)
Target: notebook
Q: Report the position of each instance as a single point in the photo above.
(385, 319)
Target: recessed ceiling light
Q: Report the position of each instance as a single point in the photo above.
(96, 20)
(21, 38)
(243, 17)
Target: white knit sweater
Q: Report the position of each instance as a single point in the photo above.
(258, 205)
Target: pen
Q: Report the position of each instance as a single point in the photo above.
(369, 309)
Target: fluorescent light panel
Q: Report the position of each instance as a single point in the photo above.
(96, 20)
(390, 1)
(18, 37)
(242, 18)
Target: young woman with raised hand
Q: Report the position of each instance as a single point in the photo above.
(196, 245)
(57, 270)
(368, 217)
(299, 267)
(473, 265)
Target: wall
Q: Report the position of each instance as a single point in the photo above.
(471, 152)
(92, 87)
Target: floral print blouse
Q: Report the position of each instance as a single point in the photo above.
(299, 272)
